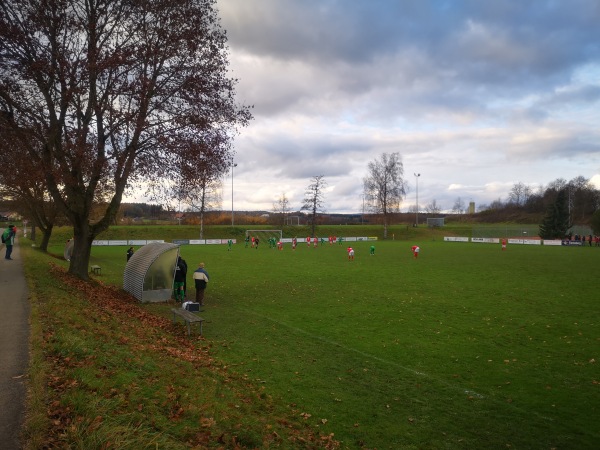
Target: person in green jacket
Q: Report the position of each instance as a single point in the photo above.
(8, 239)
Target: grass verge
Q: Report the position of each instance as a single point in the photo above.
(105, 373)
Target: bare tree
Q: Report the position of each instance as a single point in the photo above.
(384, 186)
(27, 190)
(35, 204)
(112, 93)
(584, 198)
(580, 195)
(519, 194)
(433, 208)
(200, 181)
(314, 199)
(281, 207)
(557, 185)
(459, 206)
(497, 204)
(202, 196)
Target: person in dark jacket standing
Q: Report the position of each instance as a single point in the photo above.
(201, 280)
(185, 268)
(8, 239)
(179, 282)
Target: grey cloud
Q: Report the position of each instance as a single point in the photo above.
(302, 157)
(382, 61)
(587, 94)
(523, 36)
(463, 86)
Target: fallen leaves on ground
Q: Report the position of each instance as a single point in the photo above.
(144, 331)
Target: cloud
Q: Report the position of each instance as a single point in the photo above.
(476, 96)
(595, 180)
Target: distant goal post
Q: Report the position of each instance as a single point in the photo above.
(435, 222)
(292, 220)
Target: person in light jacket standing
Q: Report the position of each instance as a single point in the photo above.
(200, 280)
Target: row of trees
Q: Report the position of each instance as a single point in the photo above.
(100, 96)
(561, 204)
(384, 189)
(581, 197)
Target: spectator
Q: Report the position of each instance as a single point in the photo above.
(201, 280)
(8, 239)
(179, 283)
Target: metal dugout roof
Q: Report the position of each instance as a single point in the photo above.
(150, 271)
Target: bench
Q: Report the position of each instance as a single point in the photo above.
(187, 317)
(96, 270)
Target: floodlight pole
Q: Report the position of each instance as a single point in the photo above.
(232, 166)
(417, 175)
(362, 216)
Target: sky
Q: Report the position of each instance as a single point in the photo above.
(475, 96)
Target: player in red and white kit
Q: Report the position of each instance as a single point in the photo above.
(415, 250)
(350, 251)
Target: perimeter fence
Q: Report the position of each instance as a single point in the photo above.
(519, 231)
(506, 231)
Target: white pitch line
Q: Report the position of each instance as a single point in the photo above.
(395, 364)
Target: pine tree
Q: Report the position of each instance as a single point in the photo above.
(596, 222)
(557, 221)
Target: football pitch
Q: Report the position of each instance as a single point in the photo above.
(467, 346)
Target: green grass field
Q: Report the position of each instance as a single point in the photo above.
(465, 347)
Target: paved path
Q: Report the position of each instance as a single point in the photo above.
(14, 348)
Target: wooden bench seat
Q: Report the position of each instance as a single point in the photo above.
(96, 270)
(187, 317)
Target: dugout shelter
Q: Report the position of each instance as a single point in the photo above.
(150, 272)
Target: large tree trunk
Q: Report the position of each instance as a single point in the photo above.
(47, 233)
(82, 249)
(84, 233)
(385, 226)
(43, 214)
(202, 224)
